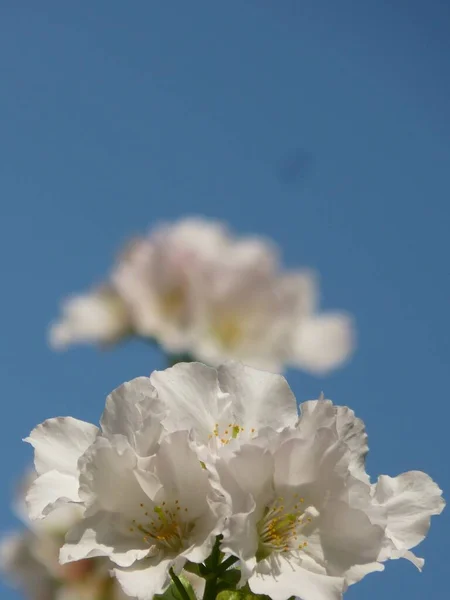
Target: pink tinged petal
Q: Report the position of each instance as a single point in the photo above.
(260, 399)
(293, 580)
(50, 490)
(58, 444)
(192, 395)
(410, 500)
(322, 343)
(146, 579)
(134, 410)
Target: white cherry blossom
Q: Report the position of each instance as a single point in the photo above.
(161, 278)
(308, 522)
(132, 413)
(146, 516)
(227, 405)
(195, 288)
(146, 500)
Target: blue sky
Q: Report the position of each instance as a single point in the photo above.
(117, 115)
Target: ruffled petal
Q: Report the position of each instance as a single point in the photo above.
(410, 499)
(293, 580)
(50, 490)
(260, 399)
(134, 410)
(58, 444)
(144, 581)
(103, 534)
(192, 395)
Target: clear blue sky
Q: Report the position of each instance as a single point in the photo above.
(116, 115)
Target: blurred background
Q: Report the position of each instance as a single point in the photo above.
(323, 125)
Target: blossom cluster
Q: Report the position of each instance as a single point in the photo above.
(215, 472)
(196, 289)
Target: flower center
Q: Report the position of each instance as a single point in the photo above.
(225, 434)
(228, 330)
(172, 302)
(164, 528)
(281, 527)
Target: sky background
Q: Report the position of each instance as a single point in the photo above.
(321, 124)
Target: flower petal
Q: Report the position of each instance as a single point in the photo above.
(410, 500)
(192, 395)
(103, 534)
(48, 491)
(58, 444)
(260, 399)
(107, 479)
(351, 431)
(180, 473)
(144, 581)
(293, 580)
(323, 342)
(134, 410)
(348, 538)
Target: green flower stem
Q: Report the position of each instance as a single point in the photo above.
(180, 587)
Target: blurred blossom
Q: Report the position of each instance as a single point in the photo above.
(96, 317)
(195, 288)
(29, 560)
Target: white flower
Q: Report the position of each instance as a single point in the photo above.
(250, 311)
(408, 500)
(195, 288)
(98, 317)
(223, 406)
(146, 517)
(161, 278)
(308, 522)
(132, 413)
(147, 502)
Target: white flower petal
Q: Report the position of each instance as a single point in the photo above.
(145, 580)
(260, 399)
(351, 431)
(252, 469)
(192, 394)
(348, 538)
(323, 342)
(410, 499)
(134, 410)
(181, 474)
(58, 444)
(310, 461)
(103, 534)
(293, 580)
(107, 479)
(50, 490)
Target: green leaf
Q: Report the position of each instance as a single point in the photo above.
(243, 594)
